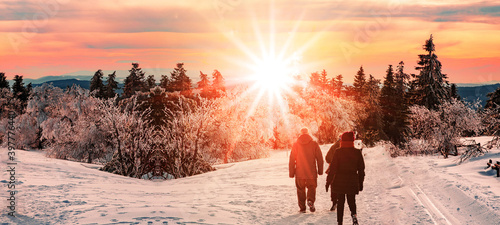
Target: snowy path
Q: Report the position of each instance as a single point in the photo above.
(405, 190)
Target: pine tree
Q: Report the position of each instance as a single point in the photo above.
(165, 83)
(204, 85)
(150, 82)
(3, 81)
(454, 92)
(179, 80)
(134, 82)
(494, 100)
(401, 78)
(96, 85)
(218, 84)
(18, 88)
(315, 79)
(323, 80)
(20, 92)
(359, 84)
(430, 87)
(338, 85)
(111, 85)
(394, 110)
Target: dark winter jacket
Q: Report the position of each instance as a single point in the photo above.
(347, 171)
(304, 157)
(331, 152)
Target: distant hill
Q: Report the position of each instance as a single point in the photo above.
(472, 94)
(69, 82)
(66, 83)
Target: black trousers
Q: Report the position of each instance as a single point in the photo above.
(333, 195)
(351, 201)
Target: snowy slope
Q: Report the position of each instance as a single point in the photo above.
(405, 190)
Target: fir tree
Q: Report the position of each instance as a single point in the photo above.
(96, 85)
(394, 110)
(165, 83)
(18, 88)
(454, 92)
(401, 78)
(494, 99)
(218, 84)
(338, 85)
(134, 82)
(111, 85)
(323, 80)
(180, 81)
(20, 92)
(150, 82)
(315, 79)
(3, 81)
(358, 89)
(430, 87)
(204, 84)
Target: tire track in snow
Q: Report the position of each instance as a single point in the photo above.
(427, 204)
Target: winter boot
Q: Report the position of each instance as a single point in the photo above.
(311, 206)
(334, 206)
(354, 219)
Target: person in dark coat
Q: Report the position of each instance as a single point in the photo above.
(328, 159)
(347, 173)
(306, 162)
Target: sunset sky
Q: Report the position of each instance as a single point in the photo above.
(60, 37)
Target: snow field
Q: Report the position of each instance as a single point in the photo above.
(404, 190)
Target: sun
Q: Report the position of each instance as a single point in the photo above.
(273, 75)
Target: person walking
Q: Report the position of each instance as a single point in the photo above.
(347, 174)
(306, 163)
(328, 159)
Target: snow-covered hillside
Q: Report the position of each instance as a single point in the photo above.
(405, 190)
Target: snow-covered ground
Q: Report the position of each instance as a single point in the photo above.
(405, 190)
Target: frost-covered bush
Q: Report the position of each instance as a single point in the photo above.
(326, 116)
(442, 128)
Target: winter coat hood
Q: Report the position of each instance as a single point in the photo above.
(304, 139)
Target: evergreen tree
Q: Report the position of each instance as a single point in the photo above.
(338, 85)
(204, 84)
(96, 85)
(3, 81)
(150, 82)
(18, 88)
(20, 92)
(394, 110)
(401, 78)
(323, 80)
(218, 84)
(111, 85)
(179, 80)
(494, 100)
(371, 127)
(430, 87)
(454, 92)
(315, 79)
(358, 89)
(134, 82)
(165, 83)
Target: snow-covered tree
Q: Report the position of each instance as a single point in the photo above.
(443, 127)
